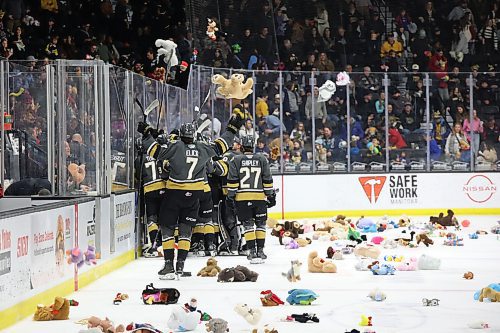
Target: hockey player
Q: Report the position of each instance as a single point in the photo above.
(250, 191)
(229, 228)
(154, 187)
(187, 161)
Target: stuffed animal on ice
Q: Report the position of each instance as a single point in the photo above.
(301, 296)
(377, 295)
(211, 29)
(381, 269)
(252, 316)
(142, 328)
(233, 87)
(211, 269)
(493, 286)
(328, 88)
(409, 264)
(237, 274)
(367, 251)
(489, 293)
(217, 325)
(57, 311)
(426, 262)
(96, 324)
(362, 264)
(366, 225)
(269, 298)
(424, 239)
(182, 319)
(316, 264)
(167, 48)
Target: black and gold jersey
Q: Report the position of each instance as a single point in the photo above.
(187, 161)
(153, 175)
(249, 178)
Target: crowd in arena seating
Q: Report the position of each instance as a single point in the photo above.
(448, 39)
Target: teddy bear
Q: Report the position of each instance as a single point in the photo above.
(57, 311)
(237, 274)
(252, 316)
(424, 239)
(265, 329)
(404, 221)
(469, 275)
(167, 48)
(490, 293)
(77, 176)
(233, 87)
(271, 223)
(303, 241)
(105, 325)
(211, 269)
(362, 264)
(216, 325)
(326, 91)
(182, 319)
(319, 265)
(211, 29)
(367, 251)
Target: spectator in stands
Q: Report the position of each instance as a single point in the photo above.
(326, 142)
(299, 132)
(484, 95)
(420, 47)
(457, 147)
(6, 51)
(391, 44)
(328, 43)
(491, 132)
(292, 101)
(459, 114)
(248, 129)
(261, 106)
(324, 64)
(298, 153)
(262, 148)
(473, 131)
(487, 154)
(396, 140)
(434, 147)
(15, 10)
(273, 125)
(440, 129)
(319, 109)
(409, 119)
(28, 187)
(437, 60)
(380, 105)
(367, 105)
(368, 81)
(459, 11)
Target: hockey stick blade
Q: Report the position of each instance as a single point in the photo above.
(203, 126)
(154, 104)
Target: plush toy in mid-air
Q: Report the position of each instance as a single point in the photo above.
(167, 48)
(233, 87)
(211, 29)
(329, 88)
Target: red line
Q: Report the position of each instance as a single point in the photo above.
(282, 197)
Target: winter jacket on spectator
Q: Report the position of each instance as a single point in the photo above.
(396, 140)
(491, 132)
(319, 108)
(274, 124)
(389, 46)
(409, 120)
(458, 12)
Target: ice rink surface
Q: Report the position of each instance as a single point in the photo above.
(342, 296)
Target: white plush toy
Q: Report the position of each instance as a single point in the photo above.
(478, 325)
(426, 262)
(377, 295)
(168, 49)
(328, 88)
(362, 264)
(252, 316)
(183, 320)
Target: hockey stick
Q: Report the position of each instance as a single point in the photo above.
(154, 104)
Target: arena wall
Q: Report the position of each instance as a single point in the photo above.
(302, 196)
(34, 241)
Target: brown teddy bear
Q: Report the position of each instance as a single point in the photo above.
(424, 239)
(404, 221)
(105, 325)
(367, 251)
(237, 274)
(211, 269)
(233, 87)
(490, 293)
(57, 311)
(303, 241)
(319, 265)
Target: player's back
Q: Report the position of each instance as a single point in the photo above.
(249, 175)
(153, 175)
(187, 165)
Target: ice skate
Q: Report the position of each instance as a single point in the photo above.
(179, 270)
(211, 251)
(167, 272)
(150, 252)
(261, 257)
(253, 258)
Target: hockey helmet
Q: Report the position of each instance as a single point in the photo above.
(248, 142)
(187, 131)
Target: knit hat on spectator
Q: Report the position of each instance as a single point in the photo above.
(415, 67)
(183, 66)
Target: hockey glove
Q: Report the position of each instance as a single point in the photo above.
(271, 200)
(144, 128)
(237, 120)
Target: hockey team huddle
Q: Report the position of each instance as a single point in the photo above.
(204, 195)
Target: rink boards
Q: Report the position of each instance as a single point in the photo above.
(34, 245)
(303, 196)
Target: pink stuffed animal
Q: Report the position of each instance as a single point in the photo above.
(377, 240)
(408, 265)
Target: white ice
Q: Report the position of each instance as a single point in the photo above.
(343, 296)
